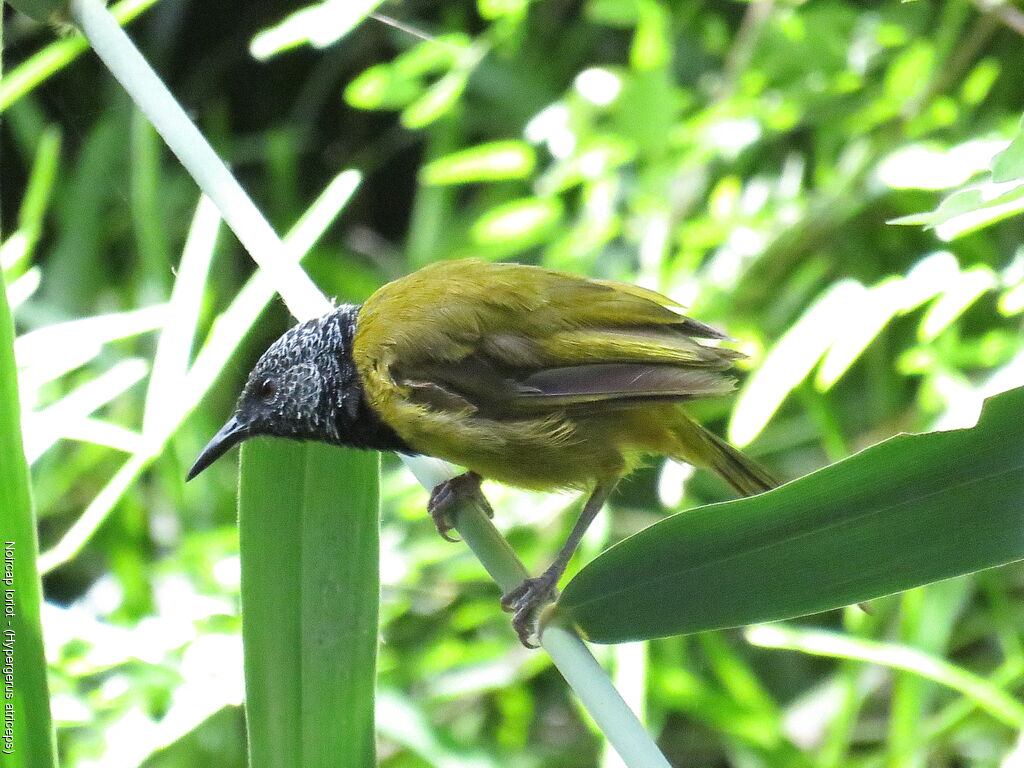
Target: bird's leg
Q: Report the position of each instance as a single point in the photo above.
(447, 495)
(526, 600)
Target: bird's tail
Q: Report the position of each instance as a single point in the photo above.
(705, 449)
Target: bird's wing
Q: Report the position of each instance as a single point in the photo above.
(508, 339)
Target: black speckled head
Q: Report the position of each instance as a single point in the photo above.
(306, 387)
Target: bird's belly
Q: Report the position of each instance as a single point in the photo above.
(544, 453)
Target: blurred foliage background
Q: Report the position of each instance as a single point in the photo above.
(742, 157)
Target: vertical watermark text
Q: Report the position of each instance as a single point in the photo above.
(7, 648)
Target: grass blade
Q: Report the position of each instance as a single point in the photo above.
(987, 696)
(27, 737)
(308, 519)
(909, 511)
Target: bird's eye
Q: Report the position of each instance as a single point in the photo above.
(266, 389)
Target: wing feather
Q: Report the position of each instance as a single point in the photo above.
(511, 340)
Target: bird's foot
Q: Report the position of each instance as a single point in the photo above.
(447, 495)
(525, 603)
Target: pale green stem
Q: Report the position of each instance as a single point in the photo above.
(570, 654)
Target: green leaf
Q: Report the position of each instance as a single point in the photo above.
(523, 221)
(319, 25)
(29, 741)
(436, 101)
(1008, 165)
(308, 519)
(496, 9)
(793, 358)
(493, 161)
(438, 54)
(613, 13)
(970, 209)
(651, 47)
(909, 511)
(595, 158)
(379, 87)
(928, 666)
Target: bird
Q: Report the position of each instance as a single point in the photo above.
(531, 377)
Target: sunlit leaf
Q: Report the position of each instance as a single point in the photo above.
(651, 47)
(595, 157)
(319, 25)
(792, 359)
(22, 288)
(45, 427)
(979, 82)
(437, 100)
(379, 88)
(494, 161)
(521, 221)
(1012, 302)
(935, 274)
(174, 349)
(971, 209)
(496, 9)
(1008, 165)
(52, 350)
(881, 303)
(969, 286)
(920, 166)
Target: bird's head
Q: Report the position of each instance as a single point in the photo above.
(301, 388)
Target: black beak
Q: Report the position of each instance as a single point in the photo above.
(229, 435)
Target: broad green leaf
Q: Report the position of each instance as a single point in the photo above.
(493, 161)
(29, 741)
(909, 511)
(308, 519)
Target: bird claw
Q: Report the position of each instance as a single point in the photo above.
(525, 602)
(446, 496)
